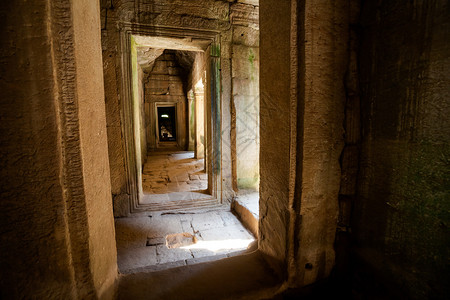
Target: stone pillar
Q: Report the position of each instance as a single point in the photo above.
(303, 64)
(245, 95)
(199, 122)
(274, 122)
(191, 120)
(56, 221)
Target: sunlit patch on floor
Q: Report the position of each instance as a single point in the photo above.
(167, 240)
(178, 240)
(220, 245)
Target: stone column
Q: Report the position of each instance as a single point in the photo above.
(56, 221)
(191, 120)
(303, 64)
(199, 122)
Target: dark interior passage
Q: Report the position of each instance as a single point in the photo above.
(167, 126)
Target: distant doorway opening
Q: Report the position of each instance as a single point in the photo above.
(167, 124)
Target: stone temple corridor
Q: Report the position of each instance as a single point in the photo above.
(173, 176)
(224, 149)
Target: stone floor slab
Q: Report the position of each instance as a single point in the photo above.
(141, 241)
(129, 259)
(169, 177)
(202, 222)
(162, 225)
(131, 232)
(170, 168)
(165, 255)
(229, 218)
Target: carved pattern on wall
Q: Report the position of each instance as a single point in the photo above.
(245, 15)
(205, 14)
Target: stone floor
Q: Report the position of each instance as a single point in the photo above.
(173, 176)
(142, 245)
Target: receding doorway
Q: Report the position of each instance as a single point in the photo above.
(178, 124)
(167, 124)
(161, 70)
(174, 169)
(179, 150)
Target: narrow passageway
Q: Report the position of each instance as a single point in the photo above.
(170, 238)
(181, 202)
(174, 176)
(163, 240)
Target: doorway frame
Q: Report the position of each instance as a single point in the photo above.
(213, 125)
(169, 145)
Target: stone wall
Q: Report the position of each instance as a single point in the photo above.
(402, 210)
(349, 159)
(56, 221)
(245, 95)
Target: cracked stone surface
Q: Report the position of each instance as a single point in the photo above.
(141, 241)
(173, 176)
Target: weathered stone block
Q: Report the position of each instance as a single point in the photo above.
(176, 88)
(157, 84)
(165, 254)
(193, 177)
(229, 218)
(174, 71)
(163, 225)
(131, 232)
(160, 67)
(169, 57)
(178, 240)
(246, 86)
(136, 258)
(158, 91)
(245, 62)
(245, 14)
(202, 222)
(166, 98)
(245, 36)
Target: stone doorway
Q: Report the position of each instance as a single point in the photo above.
(178, 169)
(173, 123)
(163, 69)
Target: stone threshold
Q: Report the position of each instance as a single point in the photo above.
(245, 276)
(188, 209)
(185, 262)
(177, 205)
(246, 206)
